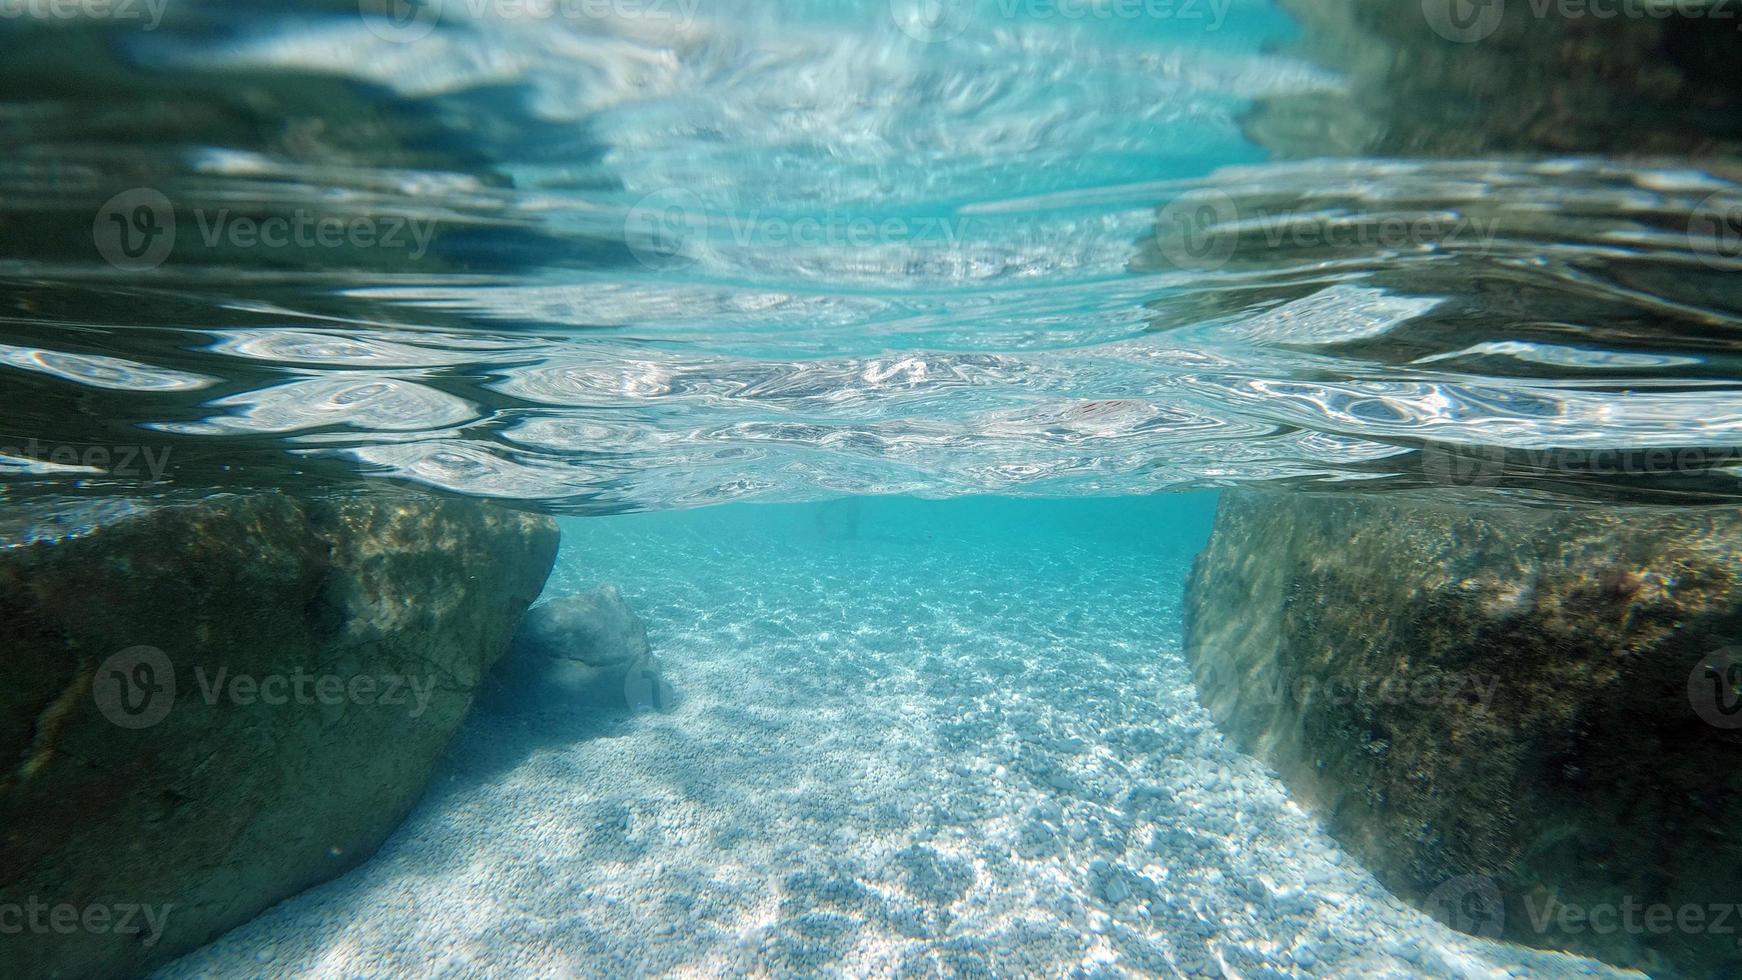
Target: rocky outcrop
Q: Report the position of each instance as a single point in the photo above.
(1525, 720)
(212, 706)
(584, 649)
(1449, 78)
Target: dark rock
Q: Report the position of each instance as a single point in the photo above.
(583, 649)
(1506, 80)
(213, 706)
(593, 628)
(1492, 700)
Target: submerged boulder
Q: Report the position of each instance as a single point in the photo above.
(1450, 78)
(1525, 720)
(585, 648)
(596, 628)
(212, 706)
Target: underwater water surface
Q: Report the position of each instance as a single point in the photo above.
(665, 255)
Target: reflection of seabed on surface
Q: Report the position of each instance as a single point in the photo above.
(960, 756)
(971, 276)
(1326, 360)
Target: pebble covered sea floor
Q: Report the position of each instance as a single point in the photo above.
(893, 755)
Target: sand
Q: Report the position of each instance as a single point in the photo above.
(913, 760)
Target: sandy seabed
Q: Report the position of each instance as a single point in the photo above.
(889, 759)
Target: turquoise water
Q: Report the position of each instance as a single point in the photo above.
(680, 255)
(886, 360)
(958, 739)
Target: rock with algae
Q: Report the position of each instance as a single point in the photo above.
(1450, 78)
(214, 705)
(1507, 713)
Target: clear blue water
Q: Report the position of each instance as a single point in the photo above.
(684, 255)
(919, 739)
(888, 357)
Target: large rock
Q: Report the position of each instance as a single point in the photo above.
(586, 649)
(212, 706)
(1449, 78)
(594, 628)
(1497, 709)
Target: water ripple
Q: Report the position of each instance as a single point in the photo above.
(759, 256)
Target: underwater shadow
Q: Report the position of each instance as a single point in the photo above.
(498, 738)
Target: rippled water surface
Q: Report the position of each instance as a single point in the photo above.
(638, 255)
